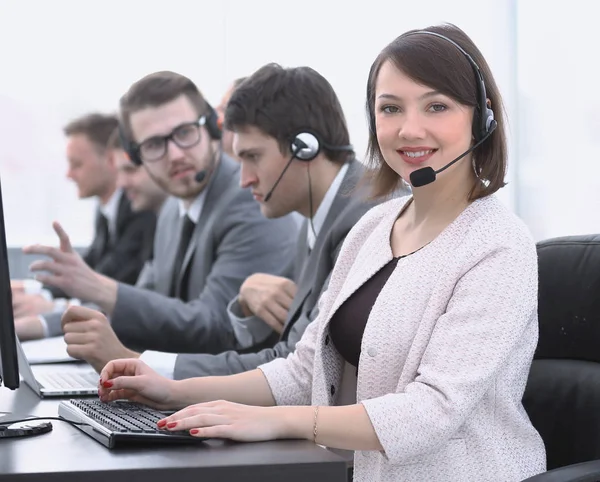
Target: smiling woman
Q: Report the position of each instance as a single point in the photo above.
(419, 356)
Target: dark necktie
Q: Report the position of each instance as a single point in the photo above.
(187, 229)
(102, 233)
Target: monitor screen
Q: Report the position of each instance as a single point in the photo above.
(9, 368)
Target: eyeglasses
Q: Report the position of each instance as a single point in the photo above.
(184, 136)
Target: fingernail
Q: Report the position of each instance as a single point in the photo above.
(107, 384)
(171, 424)
(194, 431)
(161, 423)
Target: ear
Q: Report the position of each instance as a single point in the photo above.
(488, 102)
(111, 158)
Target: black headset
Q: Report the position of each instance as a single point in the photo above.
(210, 121)
(306, 145)
(483, 119)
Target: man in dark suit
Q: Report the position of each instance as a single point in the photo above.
(123, 236)
(210, 236)
(287, 172)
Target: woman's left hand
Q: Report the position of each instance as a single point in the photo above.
(221, 419)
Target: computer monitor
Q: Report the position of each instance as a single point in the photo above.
(9, 367)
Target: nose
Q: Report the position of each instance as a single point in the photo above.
(174, 151)
(247, 175)
(412, 125)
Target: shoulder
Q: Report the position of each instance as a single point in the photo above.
(491, 221)
(489, 230)
(169, 209)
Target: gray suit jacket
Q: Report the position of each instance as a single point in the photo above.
(311, 276)
(231, 241)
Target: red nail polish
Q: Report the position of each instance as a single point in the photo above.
(107, 384)
(194, 431)
(171, 424)
(161, 423)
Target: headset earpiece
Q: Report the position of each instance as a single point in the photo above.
(306, 145)
(129, 149)
(212, 123)
(483, 120)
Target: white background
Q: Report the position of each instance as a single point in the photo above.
(65, 58)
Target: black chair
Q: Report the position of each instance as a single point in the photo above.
(562, 396)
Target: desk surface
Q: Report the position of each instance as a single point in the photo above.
(67, 454)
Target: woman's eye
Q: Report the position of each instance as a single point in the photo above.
(438, 107)
(389, 109)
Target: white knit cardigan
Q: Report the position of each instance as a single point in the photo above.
(445, 353)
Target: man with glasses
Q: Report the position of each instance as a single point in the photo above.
(210, 236)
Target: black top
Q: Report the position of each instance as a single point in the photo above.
(348, 323)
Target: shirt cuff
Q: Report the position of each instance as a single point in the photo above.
(44, 323)
(249, 330)
(160, 362)
(46, 295)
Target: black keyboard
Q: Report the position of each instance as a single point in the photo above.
(120, 423)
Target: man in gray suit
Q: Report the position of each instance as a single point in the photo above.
(288, 169)
(210, 237)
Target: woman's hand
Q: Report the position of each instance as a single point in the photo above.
(133, 380)
(244, 423)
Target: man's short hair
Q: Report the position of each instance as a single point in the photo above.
(157, 89)
(281, 102)
(97, 127)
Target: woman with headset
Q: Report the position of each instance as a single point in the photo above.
(421, 351)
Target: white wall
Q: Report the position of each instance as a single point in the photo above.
(559, 103)
(63, 58)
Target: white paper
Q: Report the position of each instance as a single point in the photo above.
(46, 350)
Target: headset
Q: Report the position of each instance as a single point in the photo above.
(484, 122)
(209, 120)
(305, 146)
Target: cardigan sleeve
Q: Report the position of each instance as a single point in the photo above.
(290, 379)
(492, 311)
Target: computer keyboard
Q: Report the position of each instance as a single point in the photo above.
(67, 379)
(120, 423)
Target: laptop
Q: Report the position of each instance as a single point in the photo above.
(58, 380)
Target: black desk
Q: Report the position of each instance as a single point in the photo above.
(67, 454)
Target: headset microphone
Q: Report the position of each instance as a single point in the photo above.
(200, 176)
(299, 144)
(426, 175)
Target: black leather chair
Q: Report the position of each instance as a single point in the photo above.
(562, 396)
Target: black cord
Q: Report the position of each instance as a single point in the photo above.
(310, 202)
(8, 423)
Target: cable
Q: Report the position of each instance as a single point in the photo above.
(310, 202)
(8, 423)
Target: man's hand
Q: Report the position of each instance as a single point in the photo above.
(90, 337)
(29, 328)
(269, 297)
(26, 305)
(68, 271)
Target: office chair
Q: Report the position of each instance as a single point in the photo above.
(562, 396)
(584, 472)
